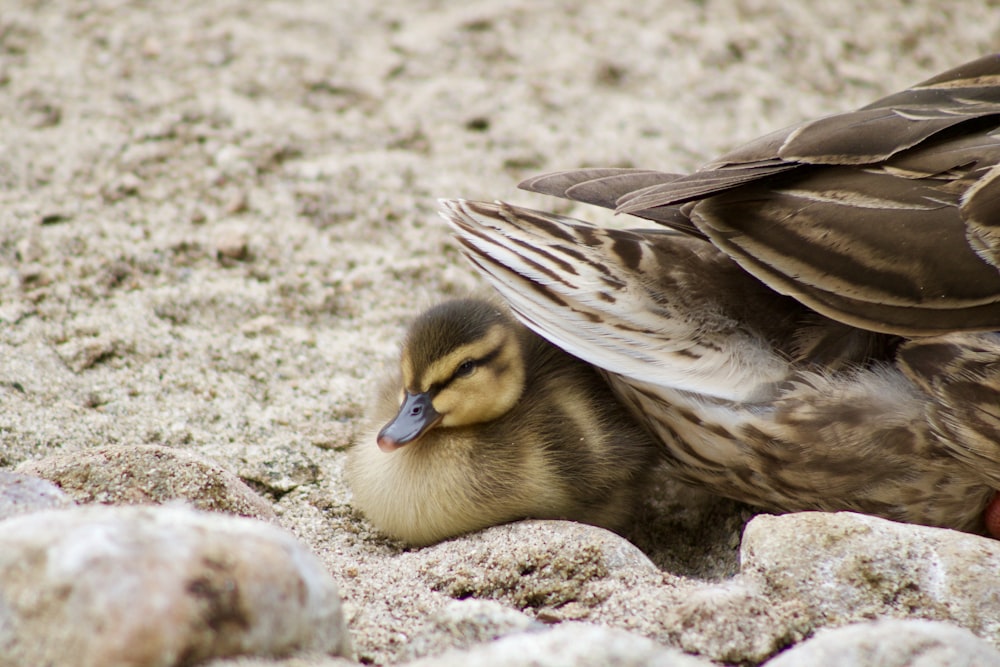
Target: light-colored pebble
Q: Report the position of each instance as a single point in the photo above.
(278, 468)
(892, 643)
(149, 474)
(462, 624)
(567, 645)
(732, 622)
(847, 567)
(232, 243)
(558, 571)
(553, 567)
(23, 494)
(158, 587)
(310, 660)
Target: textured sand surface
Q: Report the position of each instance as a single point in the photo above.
(217, 217)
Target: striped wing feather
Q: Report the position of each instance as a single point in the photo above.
(652, 306)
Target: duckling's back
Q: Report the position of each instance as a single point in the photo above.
(600, 454)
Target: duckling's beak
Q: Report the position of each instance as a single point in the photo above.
(415, 417)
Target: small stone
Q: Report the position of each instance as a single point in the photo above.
(844, 567)
(39, 110)
(14, 310)
(149, 474)
(278, 469)
(541, 565)
(239, 202)
(733, 623)
(23, 494)
(151, 47)
(232, 244)
(567, 645)
(464, 623)
(87, 351)
(263, 325)
(127, 185)
(28, 250)
(197, 216)
(34, 274)
(891, 643)
(158, 587)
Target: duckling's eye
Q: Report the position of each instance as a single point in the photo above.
(465, 368)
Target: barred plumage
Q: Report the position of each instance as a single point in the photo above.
(814, 331)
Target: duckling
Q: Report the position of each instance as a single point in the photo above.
(789, 334)
(486, 423)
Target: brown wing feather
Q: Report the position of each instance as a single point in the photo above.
(605, 187)
(884, 218)
(870, 249)
(601, 186)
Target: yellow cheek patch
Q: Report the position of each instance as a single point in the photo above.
(488, 392)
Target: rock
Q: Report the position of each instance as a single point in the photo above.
(277, 469)
(158, 587)
(149, 474)
(465, 623)
(264, 325)
(232, 243)
(85, 352)
(569, 645)
(848, 567)
(23, 494)
(891, 643)
(733, 623)
(559, 571)
(547, 571)
(297, 661)
(551, 566)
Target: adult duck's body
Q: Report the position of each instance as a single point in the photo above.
(816, 336)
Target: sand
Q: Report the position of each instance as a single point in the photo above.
(217, 217)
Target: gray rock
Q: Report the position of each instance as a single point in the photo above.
(23, 494)
(848, 567)
(554, 567)
(567, 645)
(556, 571)
(311, 660)
(277, 468)
(149, 474)
(232, 243)
(892, 643)
(548, 571)
(464, 623)
(734, 623)
(158, 587)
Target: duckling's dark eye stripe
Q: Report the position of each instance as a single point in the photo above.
(481, 361)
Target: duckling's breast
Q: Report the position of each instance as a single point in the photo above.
(450, 482)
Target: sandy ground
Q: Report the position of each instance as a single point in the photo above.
(216, 217)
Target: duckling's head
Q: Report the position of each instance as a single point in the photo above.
(461, 364)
